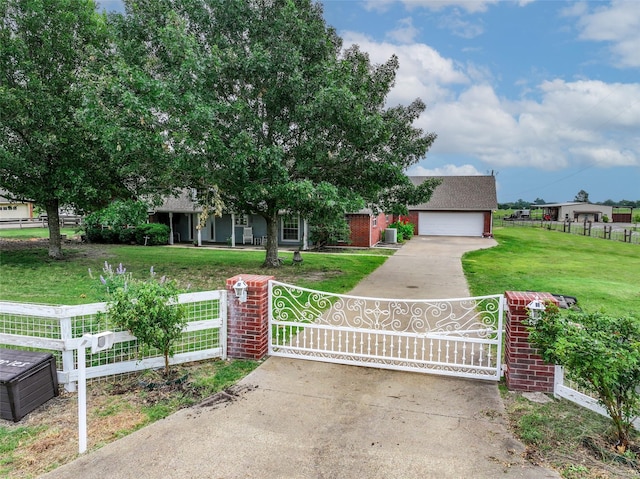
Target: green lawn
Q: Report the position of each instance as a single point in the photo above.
(602, 274)
(31, 232)
(28, 275)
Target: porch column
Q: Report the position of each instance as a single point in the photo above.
(199, 231)
(170, 227)
(524, 368)
(305, 235)
(233, 230)
(248, 323)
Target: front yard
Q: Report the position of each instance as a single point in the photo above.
(601, 274)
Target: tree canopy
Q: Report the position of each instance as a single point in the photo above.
(255, 105)
(71, 129)
(287, 122)
(582, 197)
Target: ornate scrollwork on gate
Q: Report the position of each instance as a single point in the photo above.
(475, 316)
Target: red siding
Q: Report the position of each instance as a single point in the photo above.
(487, 224)
(363, 233)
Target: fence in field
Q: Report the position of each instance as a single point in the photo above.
(59, 330)
(595, 230)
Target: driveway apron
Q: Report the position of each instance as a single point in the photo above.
(304, 419)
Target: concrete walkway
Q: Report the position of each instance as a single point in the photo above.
(303, 419)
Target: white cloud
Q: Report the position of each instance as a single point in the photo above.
(461, 28)
(577, 123)
(446, 170)
(423, 72)
(618, 24)
(469, 6)
(405, 33)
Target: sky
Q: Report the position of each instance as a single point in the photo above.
(543, 94)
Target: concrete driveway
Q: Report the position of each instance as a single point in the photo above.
(303, 419)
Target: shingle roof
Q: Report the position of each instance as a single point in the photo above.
(180, 204)
(460, 193)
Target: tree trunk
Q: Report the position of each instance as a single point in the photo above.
(53, 218)
(167, 368)
(271, 260)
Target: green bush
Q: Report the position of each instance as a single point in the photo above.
(405, 229)
(601, 354)
(127, 235)
(113, 224)
(157, 234)
(147, 309)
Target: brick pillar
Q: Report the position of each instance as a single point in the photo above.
(248, 323)
(525, 369)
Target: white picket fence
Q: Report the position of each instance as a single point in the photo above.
(59, 329)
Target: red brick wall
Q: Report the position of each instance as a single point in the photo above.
(487, 231)
(248, 323)
(359, 225)
(363, 233)
(525, 369)
(377, 231)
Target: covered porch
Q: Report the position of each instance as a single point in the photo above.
(182, 216)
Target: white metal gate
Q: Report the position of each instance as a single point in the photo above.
(455, 337)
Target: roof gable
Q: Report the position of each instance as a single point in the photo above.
(460, 193)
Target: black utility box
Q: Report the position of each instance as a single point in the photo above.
(27, 380)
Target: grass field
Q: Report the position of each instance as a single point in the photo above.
(603, 275)
(28, 275)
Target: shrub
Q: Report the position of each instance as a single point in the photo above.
(107, 225)
(601, 354)
(127, 235)
(147, 309)
(157, 234)
(405, 229)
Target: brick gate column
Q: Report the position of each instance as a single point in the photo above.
(248, 323)
(524, 368)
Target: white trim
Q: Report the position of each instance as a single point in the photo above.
(401, 334)
(282, 220)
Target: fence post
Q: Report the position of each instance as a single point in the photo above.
(248, 322)
(524, 368)
(68, 363)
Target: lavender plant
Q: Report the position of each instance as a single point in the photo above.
(148, 309)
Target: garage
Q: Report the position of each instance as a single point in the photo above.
(439, 223)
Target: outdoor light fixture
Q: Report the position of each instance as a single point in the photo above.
(240, 289)
(535, 308)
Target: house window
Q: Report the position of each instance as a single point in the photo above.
(375, 221)
(290, 226)
(242, 220)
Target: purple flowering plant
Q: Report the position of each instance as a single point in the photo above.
(149, 309)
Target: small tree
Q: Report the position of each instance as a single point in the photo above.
(147, 309)
(582, 197)
(601, 354)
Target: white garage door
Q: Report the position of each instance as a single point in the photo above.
(450, 224)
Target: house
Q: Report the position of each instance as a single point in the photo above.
(182, 215)
(575, 211)
(366, 228)
(459, 206)
(13, 209)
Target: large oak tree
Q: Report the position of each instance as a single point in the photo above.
(287, 122)
(73, 131)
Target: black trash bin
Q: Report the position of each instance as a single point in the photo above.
(27, 380)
